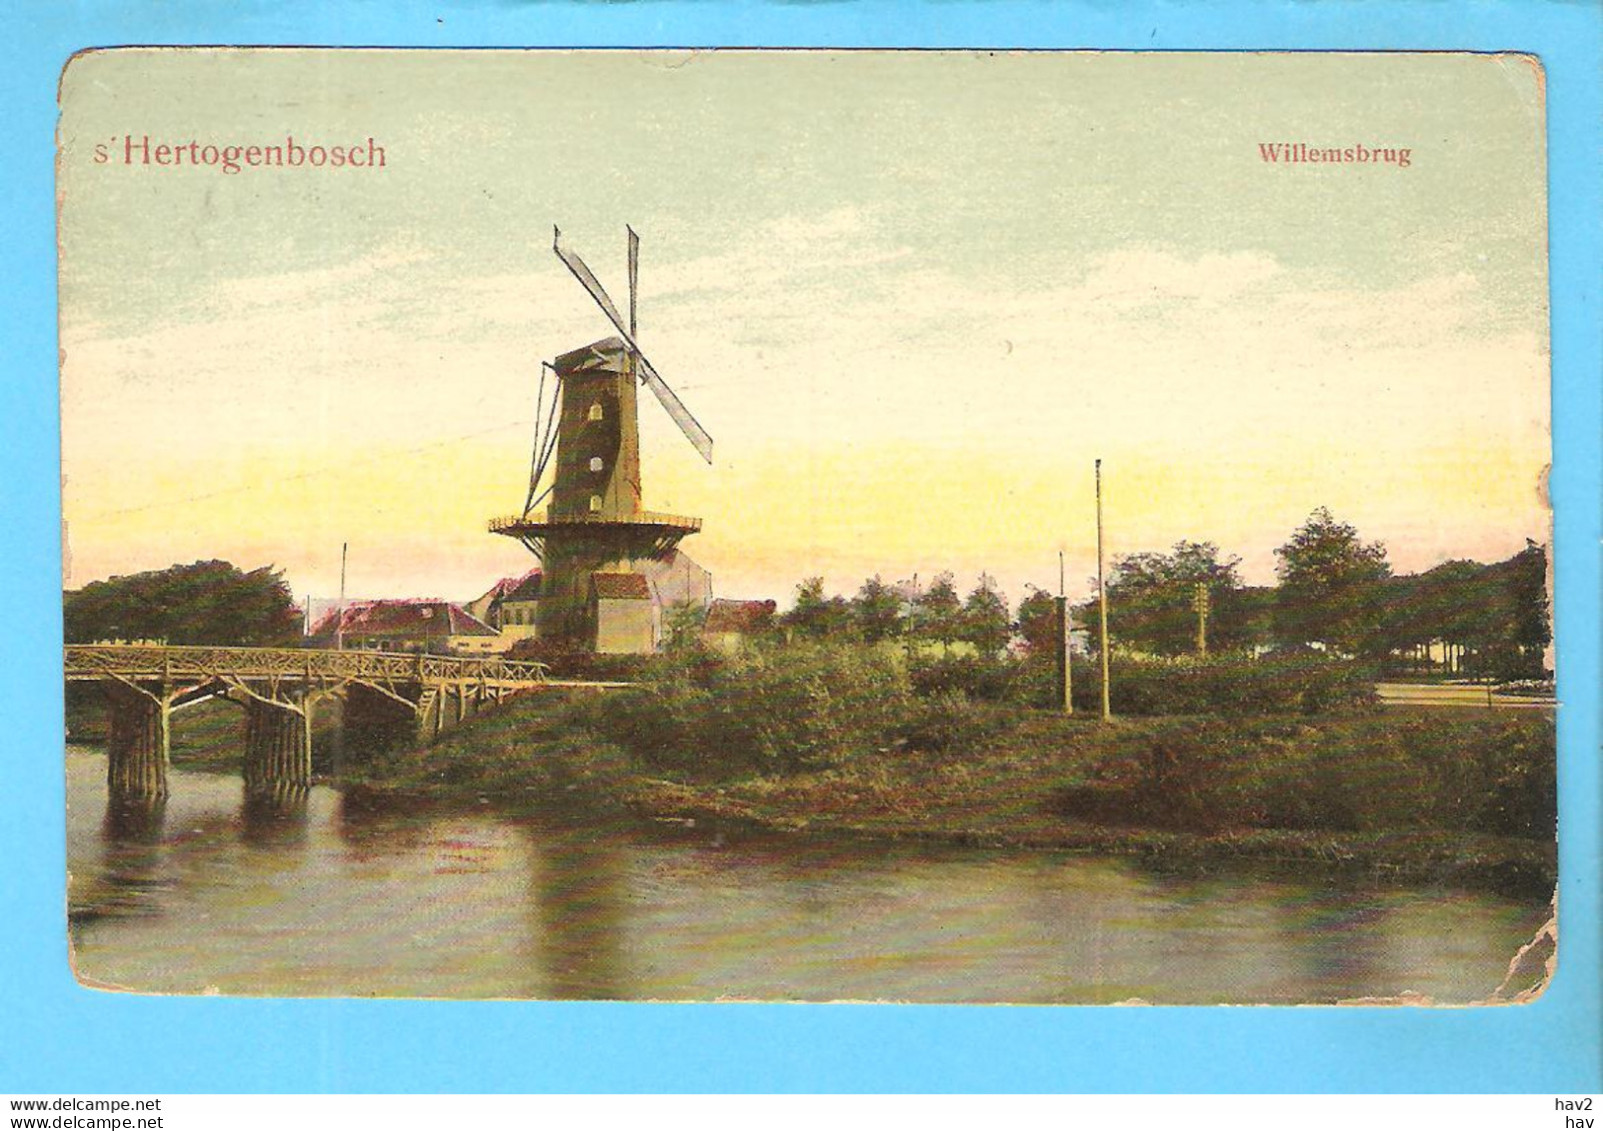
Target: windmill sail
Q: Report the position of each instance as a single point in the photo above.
(634, 279)
(588, 280)
(694, 432)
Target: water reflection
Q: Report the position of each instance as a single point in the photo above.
(131, 865)
(1337, 942)
(370, 824)
(578, 906)
(274, 815)
(321, 893)
(133, 821)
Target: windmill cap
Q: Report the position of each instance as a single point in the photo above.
(609, 355)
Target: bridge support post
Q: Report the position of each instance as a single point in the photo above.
(278, 745)
(138, 742)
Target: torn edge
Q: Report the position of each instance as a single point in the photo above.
(1531, 969)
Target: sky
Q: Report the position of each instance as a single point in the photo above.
(913, 296)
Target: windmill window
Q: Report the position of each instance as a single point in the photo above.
(595, 504)
(596, 464)
(595, 411)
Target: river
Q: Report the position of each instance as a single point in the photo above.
(332, 898)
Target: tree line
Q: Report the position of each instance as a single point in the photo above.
(1335, 592)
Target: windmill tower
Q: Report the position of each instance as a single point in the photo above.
(587, 524)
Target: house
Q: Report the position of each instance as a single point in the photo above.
(509, 606)
(409, 626)
(730, 624)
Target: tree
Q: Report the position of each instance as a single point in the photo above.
(1330, 586)
(877, 611)
(1489, 620)
(1447, 605)
(984, 621)
(1038, 623)
(681, 625)
(1532, 627)
(1254, 615)
(1152, 601)
(816, 615)
(203, 603)
(938, 612)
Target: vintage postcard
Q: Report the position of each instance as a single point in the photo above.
(984, 527)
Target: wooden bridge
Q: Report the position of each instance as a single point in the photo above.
(383, 692)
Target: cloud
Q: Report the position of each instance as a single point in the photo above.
(866, 399)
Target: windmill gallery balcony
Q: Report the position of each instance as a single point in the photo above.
(645, 534)
(539, 522)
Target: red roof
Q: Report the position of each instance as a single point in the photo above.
(620, 587)
(409, 619)
(507, 586)
(525, 588)
(738, 616)
(330, 621)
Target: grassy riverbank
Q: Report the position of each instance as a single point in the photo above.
(1053, 783)
(846, 741)
(1432, 795)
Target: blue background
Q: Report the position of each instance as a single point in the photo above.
(55, 1036)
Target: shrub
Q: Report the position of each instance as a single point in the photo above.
(990, 678)
(1521, 795)
(950, 722)
(535, 746)
(768, 710)
(1390, 771)
(1306, 685)
(567, 661)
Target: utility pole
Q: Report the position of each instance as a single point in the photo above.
(1065, 688)
(1199, 602)
(339, 614)
(1102, 597)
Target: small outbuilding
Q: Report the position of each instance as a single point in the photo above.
(731, 624)
(623, 613)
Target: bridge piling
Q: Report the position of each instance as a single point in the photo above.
(389, 699)
(137, 746)
(278, 745)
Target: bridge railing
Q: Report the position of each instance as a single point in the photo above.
(179, 661)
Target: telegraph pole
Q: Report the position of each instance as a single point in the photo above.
(1065, 688)
(1199, 602)
(1102, 597)
(339, 614)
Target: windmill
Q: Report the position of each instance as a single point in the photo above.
(585, 520)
